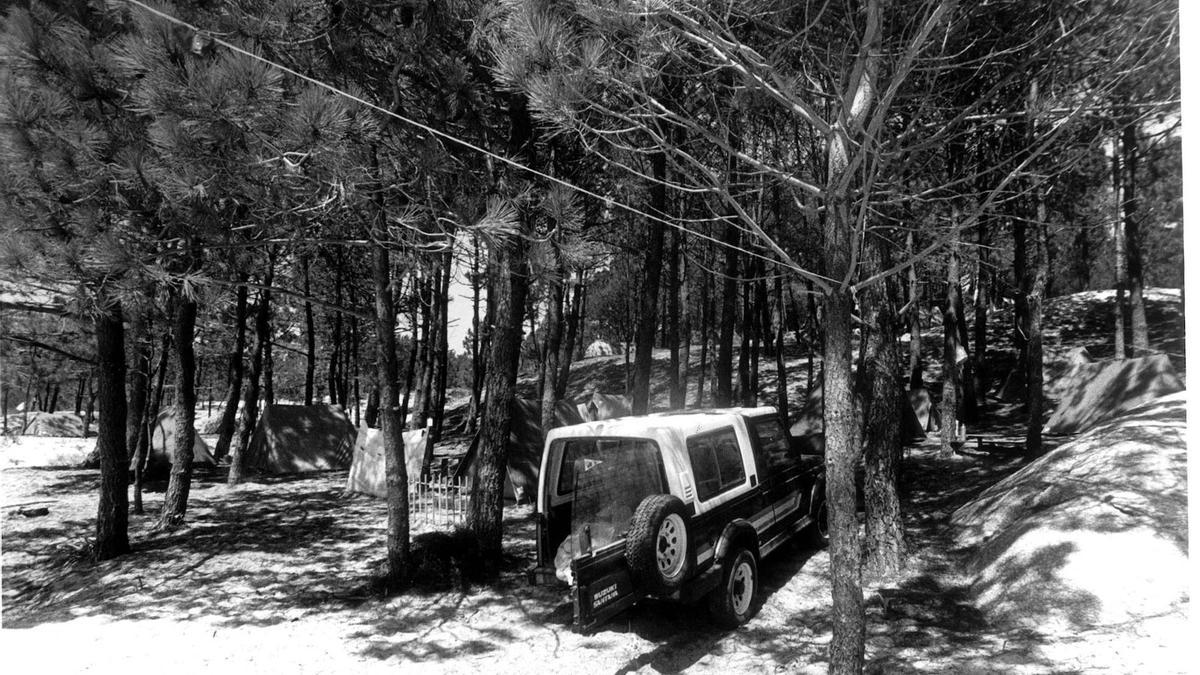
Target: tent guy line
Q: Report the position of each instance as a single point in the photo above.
(817, 279)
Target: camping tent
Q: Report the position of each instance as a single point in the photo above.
(1103, 390)
(928, 417)
(297, 438)
(367, 470)
(1079, 369)
(809, 426)
(55, 424)
(162, 446)
(598, 348)
(525, 440)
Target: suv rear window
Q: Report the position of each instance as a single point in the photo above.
(637, 456)
(716, 462)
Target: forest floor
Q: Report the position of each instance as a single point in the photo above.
(277, 575)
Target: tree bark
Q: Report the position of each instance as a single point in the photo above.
(487, 492)
(266, 335)
(648, 319)
(951, 381)
(676, 386)
(237, 371)
(916, 364)
(335, 353)
(112, 514)
(723, 370)
(574, 316)
(180, 483)
(781, 379)
(139, 379)
(139, 423)
(310, 332)
(442, 356)
(842, 454)
(393, 441)
(554, 326)
(882, 396)
(1130, 205)
(250, 406)
(510, 272)
(477, 359)
(982, 287)
(1035, 290)
(705, 334)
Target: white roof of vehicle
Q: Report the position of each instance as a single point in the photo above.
(657, 425)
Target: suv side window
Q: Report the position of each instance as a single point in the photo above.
(716, 463)
(774, 446)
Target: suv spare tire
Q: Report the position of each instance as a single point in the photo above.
(658, 546)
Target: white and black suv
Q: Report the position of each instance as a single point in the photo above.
(680, 505)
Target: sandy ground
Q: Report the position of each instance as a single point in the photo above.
(275, 577)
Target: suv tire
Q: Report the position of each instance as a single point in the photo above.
(818, 532)
(735, 600)
(658, 546)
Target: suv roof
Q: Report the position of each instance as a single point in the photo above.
(687, 422)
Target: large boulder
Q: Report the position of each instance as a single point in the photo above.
(1092, 534)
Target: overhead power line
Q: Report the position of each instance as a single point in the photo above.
(469, 145)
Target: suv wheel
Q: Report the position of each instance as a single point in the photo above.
(733, 602)
(819, 530)
(658, 544)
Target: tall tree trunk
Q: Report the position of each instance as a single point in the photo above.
(1021, 302)
(747, 334)
(1035, 290)
(882, 396)
(355, 342)
(982, 286)
(139, 378)
(568, 346)
(477, 360)
(250, 405)
(140, 447)
(510, 272)
(89, 413)
(842, 454)
(951, 381)
(393, 440)
(487, 492)
(916, 364)
(1130, 204)
(705, 334)
(781, 380)
(112, 514)
(335, 355)
(180, 483)
(410, 374)
(80, 390)
(724, 365)
(442, 355)
(676, 386)
(310, 333)
(237, 371)
(648, 319)
(267, 337)
(554, 331)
